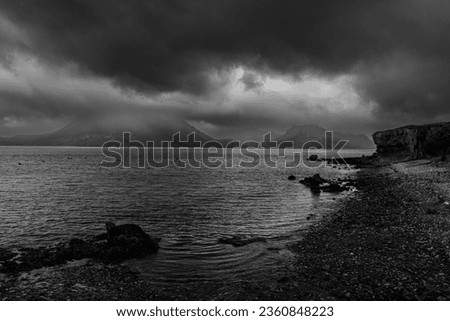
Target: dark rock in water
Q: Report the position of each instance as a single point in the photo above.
(128, 240)
(241, 241)
(313, 181)
(121, 242)
(313, 158)
(116, 234)
(292, 178)
(318, 184)
(317, 178)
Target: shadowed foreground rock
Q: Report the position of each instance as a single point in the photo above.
(119, 243)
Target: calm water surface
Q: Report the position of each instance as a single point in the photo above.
(48, 194)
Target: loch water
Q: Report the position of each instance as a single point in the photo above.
(50, 194)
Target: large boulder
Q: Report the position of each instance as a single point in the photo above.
(127, 240)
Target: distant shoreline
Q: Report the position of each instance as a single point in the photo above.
(96, 146)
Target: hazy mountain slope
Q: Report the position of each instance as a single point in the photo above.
(94, 133)
(301, 134)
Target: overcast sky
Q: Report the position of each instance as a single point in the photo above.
(229, 67)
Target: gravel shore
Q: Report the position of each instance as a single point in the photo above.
(83, 280)
(388, 241)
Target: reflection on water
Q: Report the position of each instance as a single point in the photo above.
(49, 194)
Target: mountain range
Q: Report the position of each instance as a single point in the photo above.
(95, 133)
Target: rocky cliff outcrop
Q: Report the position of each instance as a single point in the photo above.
(411, 142)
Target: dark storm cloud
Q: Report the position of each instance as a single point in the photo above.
(398, 49)
(408, 88)
(41, 104)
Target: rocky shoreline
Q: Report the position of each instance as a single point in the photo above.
(78, 269)
(79, 280)
(388, 241)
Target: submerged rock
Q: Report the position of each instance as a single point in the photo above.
(292, 178)
(241, 241)
(313, 158)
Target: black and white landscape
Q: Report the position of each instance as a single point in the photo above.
(311, 160)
